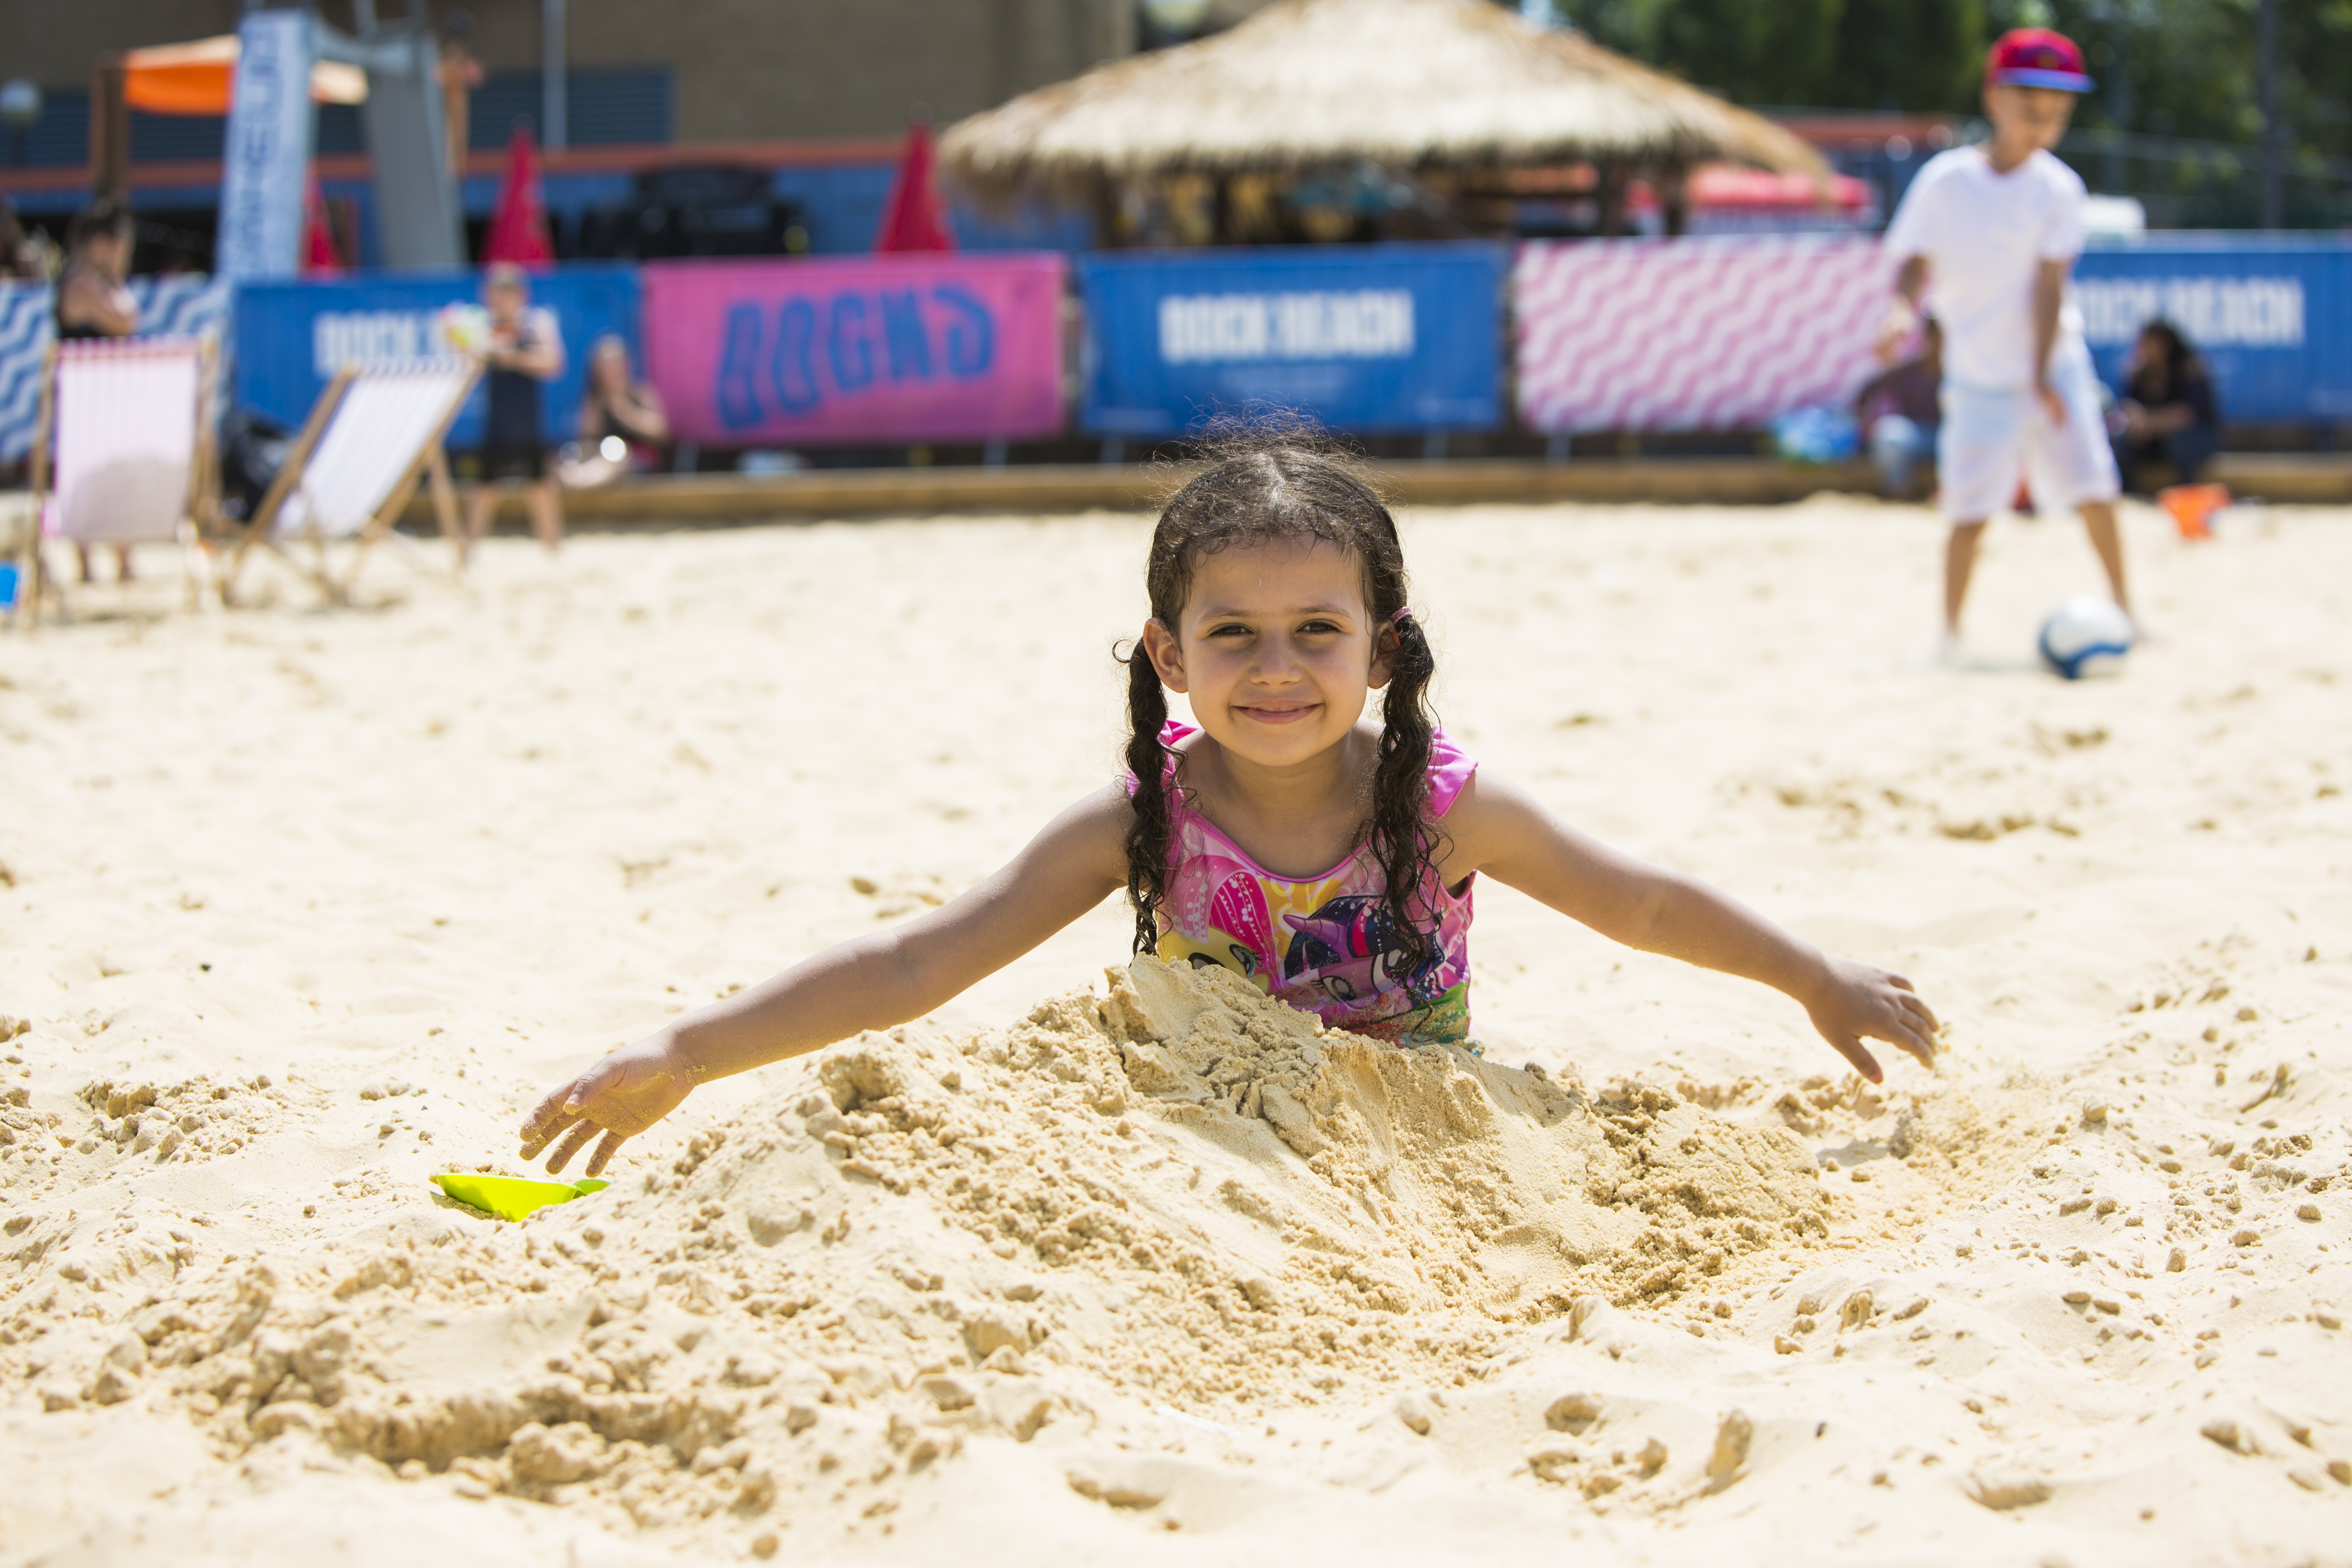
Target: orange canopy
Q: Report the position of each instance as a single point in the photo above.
(201, 78)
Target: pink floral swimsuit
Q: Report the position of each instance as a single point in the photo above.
(1324, 944)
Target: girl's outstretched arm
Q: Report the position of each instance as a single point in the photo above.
(867, 983)
(1502, 830)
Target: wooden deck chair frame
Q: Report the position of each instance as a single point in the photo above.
(198, 511)
(431, 466)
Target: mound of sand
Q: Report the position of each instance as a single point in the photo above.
(302, 908)
(1181, 1194)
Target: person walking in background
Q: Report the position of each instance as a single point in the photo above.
(619, 407)
(93, 303)
(1899, 412)
(524, 350)
(1997, 227)
(2169, 413)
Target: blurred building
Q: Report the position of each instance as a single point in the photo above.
(815, 93)
(1323, 120)
(727, 125)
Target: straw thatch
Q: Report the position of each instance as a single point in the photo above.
(1413, 84)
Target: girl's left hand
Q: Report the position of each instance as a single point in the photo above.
(1860, 1001)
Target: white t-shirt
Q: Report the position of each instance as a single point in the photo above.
(1985, 235)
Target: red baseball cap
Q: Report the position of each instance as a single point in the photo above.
(2036, 57)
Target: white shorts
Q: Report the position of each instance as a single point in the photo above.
(1992, 436)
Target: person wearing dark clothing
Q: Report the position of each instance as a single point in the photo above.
(2169, 413)
(524, 351)
(1900, 410)
(91, 301)
(513, 446)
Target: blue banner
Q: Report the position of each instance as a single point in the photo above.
(1379, 338)
(2272, 316)
(268, 149)
(291, 338)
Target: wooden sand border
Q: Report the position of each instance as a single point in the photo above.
(707, 499)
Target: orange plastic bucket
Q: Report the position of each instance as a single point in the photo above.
(2192, 507)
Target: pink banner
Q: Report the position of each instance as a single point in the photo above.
(882, 349)
(1694, 334)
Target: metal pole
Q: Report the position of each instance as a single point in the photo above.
(2273, 139)
(109, 130)
(417, 192)
(554, 130)
(2119, 178)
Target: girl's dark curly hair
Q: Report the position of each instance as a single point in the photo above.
(1286, 486)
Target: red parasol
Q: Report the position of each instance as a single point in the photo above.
(320, 259)
(519, 225)
(912, 220)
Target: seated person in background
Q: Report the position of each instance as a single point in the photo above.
(91, 300)
(1899, 412)
(2168, 412)
(617, 408)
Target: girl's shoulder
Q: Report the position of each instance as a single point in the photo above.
(1449, 772)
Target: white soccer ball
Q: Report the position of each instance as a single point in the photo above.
(2087, 636)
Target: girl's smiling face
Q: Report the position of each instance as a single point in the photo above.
(1275, 648)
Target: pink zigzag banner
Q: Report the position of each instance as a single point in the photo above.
(1716, 333)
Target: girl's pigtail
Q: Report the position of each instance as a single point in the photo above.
(1402, 832)
(1147, 761)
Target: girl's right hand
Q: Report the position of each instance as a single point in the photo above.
(1857, 1001)
(620, 1097)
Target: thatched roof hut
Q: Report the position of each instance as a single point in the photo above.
(1412, 85)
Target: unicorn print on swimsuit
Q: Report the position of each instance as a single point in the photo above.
(1327, 944)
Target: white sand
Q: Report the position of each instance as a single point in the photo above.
(302, 907)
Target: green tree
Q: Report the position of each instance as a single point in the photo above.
(2188, 70)
(2186, 67)
(2176, 72)
(1918, 55)
(1926, 56)
(1757, 54)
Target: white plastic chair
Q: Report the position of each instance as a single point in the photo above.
(374, 434)
(133, 451)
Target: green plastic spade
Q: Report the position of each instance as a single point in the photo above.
(512, 1197)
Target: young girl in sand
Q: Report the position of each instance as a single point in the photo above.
(1278, 591)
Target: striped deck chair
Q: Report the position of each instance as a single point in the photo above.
(132, 452)
(374, 434)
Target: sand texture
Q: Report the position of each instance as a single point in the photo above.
(1106, 1263)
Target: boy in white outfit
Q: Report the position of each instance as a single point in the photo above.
(1995, 228)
